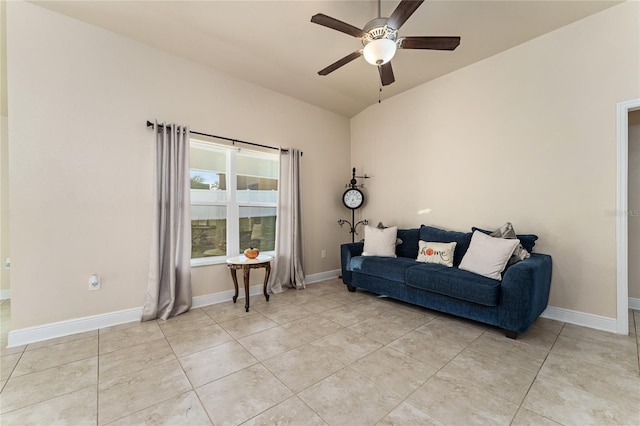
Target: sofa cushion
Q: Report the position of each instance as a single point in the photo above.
(454, 282)
(462, 239)
(392, 269)
(409, 245)
(380, 241)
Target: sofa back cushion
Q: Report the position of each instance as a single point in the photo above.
(409, 245)
(462, 240)
(528, 241)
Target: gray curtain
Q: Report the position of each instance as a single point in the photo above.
(287, 265)
(169, 281)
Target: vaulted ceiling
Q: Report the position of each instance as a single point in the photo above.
(274, 45)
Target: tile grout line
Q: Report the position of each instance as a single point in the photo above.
(193, 389)
(296, 394)
(21, 352)
(261, 363)
(635, 329)
(520, 406)
(98, 381)
(14, 368)
(430, 377)
(167, 399)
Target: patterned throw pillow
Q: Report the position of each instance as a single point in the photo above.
(507, 231)
(440, 253)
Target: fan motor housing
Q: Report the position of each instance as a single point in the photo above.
(377, 29)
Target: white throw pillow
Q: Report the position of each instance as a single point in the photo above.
(488, 256)
(440, 253)
(380, 242)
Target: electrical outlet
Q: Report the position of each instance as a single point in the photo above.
(323, 254)
(7, 263)
(94, 282)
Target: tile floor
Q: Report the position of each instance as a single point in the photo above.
(322, 356)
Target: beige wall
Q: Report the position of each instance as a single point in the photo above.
(4, 160)
(527, 136)
(634, 205)
(82, 161)
(5, 285)
(3, 58)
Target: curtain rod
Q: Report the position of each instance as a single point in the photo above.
(233, 141)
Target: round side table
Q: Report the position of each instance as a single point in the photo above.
(246, 264)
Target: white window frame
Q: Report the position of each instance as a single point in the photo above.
(232, 206)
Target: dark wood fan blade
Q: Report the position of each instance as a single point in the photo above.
(329, 22)
(386, 74)
(404, 10)
(334, 66)
(433, 43)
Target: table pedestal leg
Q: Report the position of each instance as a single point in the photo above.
(266, 278)
(235, 283)
(245, 271)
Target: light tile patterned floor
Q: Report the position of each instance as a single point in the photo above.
(322, 356)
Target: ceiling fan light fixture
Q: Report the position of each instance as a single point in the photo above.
(379, 51)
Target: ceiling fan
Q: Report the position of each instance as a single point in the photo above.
(380, 39)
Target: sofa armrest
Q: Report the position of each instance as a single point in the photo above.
(347, 251)
(525, 292)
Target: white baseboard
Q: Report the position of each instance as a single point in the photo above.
(224, 296)
(322, 276)
(581, 318)
(5, 294)
(52, 330)
(38, 333)
(634, 303)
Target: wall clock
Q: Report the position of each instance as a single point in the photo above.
(353, 199)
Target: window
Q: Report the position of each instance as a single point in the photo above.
(234, 198)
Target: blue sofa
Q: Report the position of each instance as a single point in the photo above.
(512, 304)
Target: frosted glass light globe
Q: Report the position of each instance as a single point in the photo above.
(380, 51)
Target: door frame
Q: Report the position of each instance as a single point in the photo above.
(622, 220)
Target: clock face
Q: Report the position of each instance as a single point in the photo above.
(352, 198)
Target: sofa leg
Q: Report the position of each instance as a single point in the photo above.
(350, 288)
(511, 334)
